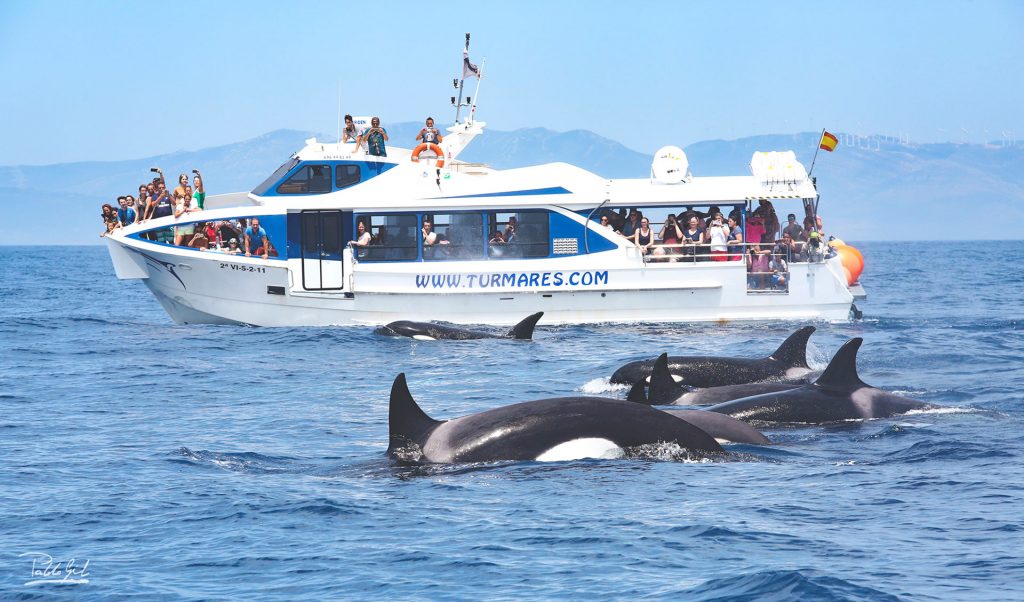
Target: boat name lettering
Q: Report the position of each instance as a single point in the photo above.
(512, 280)
(243, 268)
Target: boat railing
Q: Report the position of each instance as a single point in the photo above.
(701, 252)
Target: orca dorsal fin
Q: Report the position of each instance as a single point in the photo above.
(841, 372)
(524, 329)
(793, 351)
(664, 388)
(406, 421)
(637, 393)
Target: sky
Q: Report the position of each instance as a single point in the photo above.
(110, 80)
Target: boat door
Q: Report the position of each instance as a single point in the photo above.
(324, 235)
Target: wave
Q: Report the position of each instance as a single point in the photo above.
(783, 586)
(242, 462)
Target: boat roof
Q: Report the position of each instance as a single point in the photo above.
(412, 184)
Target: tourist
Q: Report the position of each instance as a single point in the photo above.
(182, 208)
(692, 237)
(631, 225)
(179, 190)
(779, 269)
(735, 248)
(429, 134)
(199, 196)
(758, 267)
(429, 236)
(126, 215)
(375, 137)
(717, 236)
(788, 248)
(232, 248)
(795, 231)
(671, 235)
(199, 239)
(511, 229)
(109, 216)
(643, 237)
(256, 240)
(352, 132)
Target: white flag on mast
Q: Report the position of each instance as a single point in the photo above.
(468, 69)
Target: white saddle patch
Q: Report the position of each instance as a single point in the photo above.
(423, 337)
(577, 449)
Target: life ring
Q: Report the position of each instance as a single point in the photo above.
(431, 146)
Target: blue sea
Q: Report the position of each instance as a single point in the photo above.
(158, 461)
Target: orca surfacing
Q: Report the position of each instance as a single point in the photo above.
(565, 428)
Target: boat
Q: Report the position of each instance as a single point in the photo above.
(507, 243)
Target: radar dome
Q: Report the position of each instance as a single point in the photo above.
(670, 165)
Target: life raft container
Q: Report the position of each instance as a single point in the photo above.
(436, 149)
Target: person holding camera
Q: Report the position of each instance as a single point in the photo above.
(717, 236)
(375, 137)
(671, 235)
(199, 192)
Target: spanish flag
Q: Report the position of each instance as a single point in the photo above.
(828, 142)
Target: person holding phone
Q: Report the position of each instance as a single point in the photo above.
(717, 236)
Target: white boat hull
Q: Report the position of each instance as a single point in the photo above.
(209, 287)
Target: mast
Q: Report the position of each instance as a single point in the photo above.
(468, 70)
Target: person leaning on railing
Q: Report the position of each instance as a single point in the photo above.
(735, 248)
(692, 237)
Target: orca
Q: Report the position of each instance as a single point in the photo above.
(789, 361)
(566, 428)
(837, 395)
(731, 430)
(430, 331)
(664, 390)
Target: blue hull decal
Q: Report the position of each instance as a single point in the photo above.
(162, 264)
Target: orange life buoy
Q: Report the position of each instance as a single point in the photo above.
(431, 146)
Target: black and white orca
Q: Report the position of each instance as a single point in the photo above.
(730, 430)
(567, 428)
(664, 390)
(788, 362)
(429, 331)
(837, 395)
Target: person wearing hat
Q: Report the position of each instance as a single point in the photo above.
(795, 230)
(232, 248)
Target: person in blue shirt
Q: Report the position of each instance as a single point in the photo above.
(125, 214)
(375, 137)
(256, 241)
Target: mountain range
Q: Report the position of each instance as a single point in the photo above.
(872, 188)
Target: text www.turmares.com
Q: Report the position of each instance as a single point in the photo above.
(513, 280)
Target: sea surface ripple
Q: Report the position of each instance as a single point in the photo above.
(213, 462)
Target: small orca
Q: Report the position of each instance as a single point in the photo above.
(837, 395)
(566, 428)
(789, 361)
(429, 331)
(664, 390)
(731, 430)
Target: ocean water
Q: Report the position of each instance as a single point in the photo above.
(185, 462)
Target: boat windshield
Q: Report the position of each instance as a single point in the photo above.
(275, 177)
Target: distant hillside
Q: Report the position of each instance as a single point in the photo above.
(879, 191)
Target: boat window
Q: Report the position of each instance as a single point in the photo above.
(216, 236)
(275, 177)
(393, 237)
(455, 236)
(522, 234)
(346, 175)
(310, 179)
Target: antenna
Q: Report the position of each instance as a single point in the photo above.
(339, 111)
